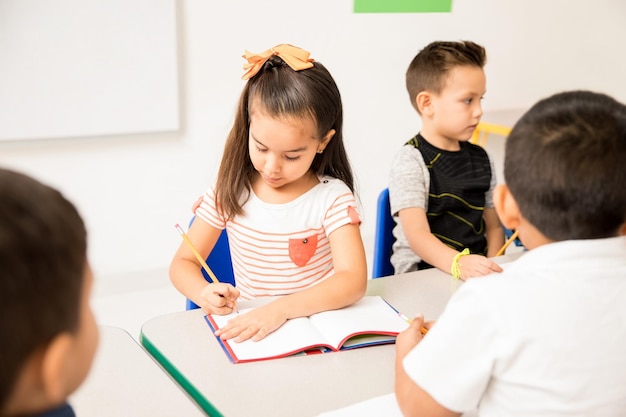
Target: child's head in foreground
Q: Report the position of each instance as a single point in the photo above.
(565, 167)
(433, 66)
(48, 332)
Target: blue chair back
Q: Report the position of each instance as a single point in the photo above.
(383, 237)
(220, 262)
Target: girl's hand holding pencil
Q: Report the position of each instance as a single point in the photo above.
(220, 298)
(216, 298)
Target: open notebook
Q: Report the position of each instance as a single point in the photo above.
(370, 321)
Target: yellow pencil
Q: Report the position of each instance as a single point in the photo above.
(507, 243)
(196, 254)
(423, 330)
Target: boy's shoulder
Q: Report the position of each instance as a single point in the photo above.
(560, 262)
(425, 148)
(407, 157)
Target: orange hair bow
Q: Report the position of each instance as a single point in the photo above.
(297, 58)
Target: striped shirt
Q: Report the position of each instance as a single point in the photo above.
(280, 249)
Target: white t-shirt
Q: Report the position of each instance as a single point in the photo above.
(547, 337)
(280, 249)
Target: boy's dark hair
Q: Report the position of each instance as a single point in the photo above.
(42, 267)
(430, 67)
(283, 92)
(564, 165)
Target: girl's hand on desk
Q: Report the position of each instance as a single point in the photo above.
(477, 266)
(254, 325)
(219, 298)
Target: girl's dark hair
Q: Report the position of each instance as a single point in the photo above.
(43, 246)
(283, 92)
(564, 164)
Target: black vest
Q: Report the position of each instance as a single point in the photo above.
(456, 195)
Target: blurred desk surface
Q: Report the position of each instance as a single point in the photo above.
(125, 381)
(298, 385)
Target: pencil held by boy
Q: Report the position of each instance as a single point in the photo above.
(547, 336)
(441, 186)
(48, 331)
(285, 195)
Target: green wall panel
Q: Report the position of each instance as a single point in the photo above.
(402, 6)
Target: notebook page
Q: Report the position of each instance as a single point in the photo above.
(291, 337)
(369, 315)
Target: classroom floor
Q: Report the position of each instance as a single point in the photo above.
(129, 308)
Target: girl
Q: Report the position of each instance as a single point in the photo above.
(284, 193)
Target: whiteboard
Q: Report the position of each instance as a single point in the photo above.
(87, 68)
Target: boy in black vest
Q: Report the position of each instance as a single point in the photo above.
(441, 185)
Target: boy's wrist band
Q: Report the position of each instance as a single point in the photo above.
(456, 270)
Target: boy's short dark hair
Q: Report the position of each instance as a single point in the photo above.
(429, 68)
(565, 165)
(43, 248)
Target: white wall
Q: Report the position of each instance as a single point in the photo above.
(64, 56)
(132, 189)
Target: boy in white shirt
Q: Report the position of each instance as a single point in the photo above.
(546, 337)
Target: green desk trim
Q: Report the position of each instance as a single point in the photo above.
(206, 406)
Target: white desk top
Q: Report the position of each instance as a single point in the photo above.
(301, 385)
(126, 381)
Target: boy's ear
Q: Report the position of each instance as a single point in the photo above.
(506, 207)
(423, 102)
(54, 368)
